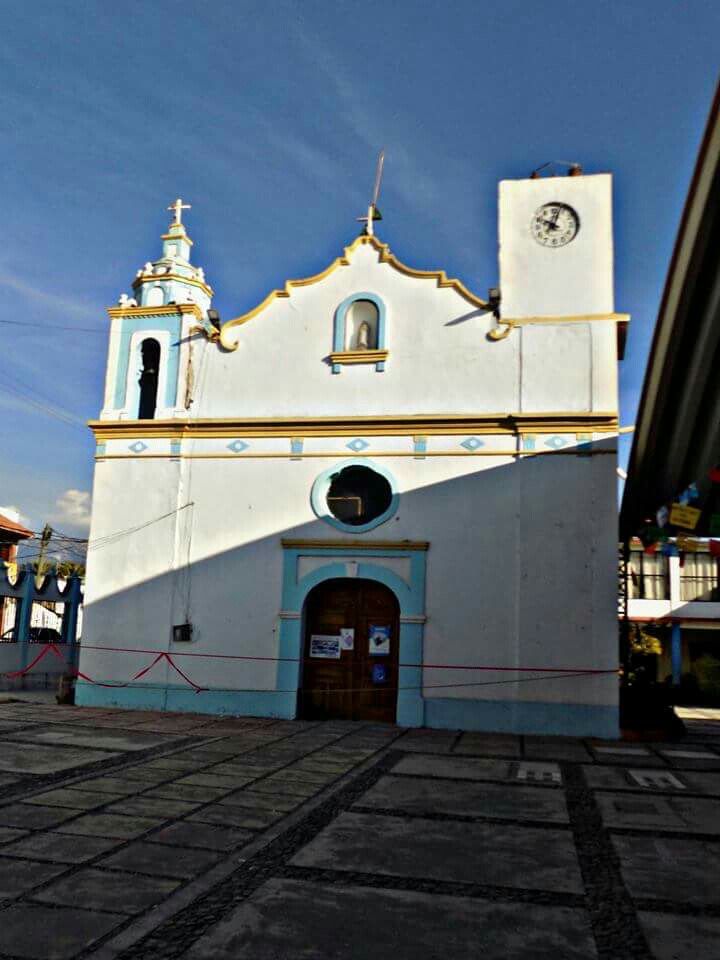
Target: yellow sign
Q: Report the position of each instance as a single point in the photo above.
(688, 545)
(683, 516)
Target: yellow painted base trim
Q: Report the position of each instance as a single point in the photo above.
(388, 426)
(163, 277)
(355, 544)
(359, 356)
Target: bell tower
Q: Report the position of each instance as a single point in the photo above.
(557, 290)
(556, 246)
(150, 351)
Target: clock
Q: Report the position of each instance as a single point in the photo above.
(555, 224)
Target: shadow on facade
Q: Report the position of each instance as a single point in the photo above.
(520, 572)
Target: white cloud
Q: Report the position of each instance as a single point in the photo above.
(73, 508)
(47, 298)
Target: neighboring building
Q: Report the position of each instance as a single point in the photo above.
(677, 600)
(368, 497)
(12, 532)
(677, 443)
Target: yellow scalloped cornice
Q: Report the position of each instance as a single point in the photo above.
(439, 276)
(170, 308)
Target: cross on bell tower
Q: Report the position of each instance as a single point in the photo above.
(177, 209)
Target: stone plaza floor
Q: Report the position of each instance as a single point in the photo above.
(153, 835)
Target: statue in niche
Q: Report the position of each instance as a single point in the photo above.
(362, 341)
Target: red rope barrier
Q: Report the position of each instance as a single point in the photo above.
(425, 666)
(558, 672)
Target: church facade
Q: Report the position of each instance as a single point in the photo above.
(374, 496)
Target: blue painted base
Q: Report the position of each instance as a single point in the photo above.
(184, 700)
(516, 716)
(490, 716)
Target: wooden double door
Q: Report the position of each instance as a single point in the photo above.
(350, 655)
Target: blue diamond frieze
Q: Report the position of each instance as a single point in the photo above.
(237, 446)
(138, 446)
(358, 444)
(472, 444)
(556, 442)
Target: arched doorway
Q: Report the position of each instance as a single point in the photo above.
(350, 652)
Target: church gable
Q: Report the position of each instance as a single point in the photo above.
(368, 332)
(384, 257)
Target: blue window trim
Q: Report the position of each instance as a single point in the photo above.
(339, 326)
(319, 492)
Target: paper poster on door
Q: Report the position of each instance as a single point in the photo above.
(379, 673)
(347, 638)
(324, 647)
(378, 640)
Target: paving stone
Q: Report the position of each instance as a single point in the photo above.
(226, 816)
(261, 801)
(290, 788)
(48, 933)
(19, 876)
(187, 792)
(59, 847)
(108, 890)
(296, 774)
(178, 761)
(627, 756)
(108, 825)
(488, 744)
(556, 748)
(506, 856)
(145, 778)
(156, 807)
(667, 869)
(452, 767)
(354, 923)
(320, 767)
(156, 859)
(41, 759)
(107, 740)
(30, 816)
(677, 754)
(663, 812)
(11, 833)
(701, 781)
(214, 780)
(119, 786)
(466, 798)
(202, 835)
(71, 798)
(656, 779)
(673, 937)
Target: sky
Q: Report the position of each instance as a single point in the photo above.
(268, 117)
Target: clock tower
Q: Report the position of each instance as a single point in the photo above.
(556, 248)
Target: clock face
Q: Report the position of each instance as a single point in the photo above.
(555, 224)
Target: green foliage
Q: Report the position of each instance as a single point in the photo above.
(642, 642)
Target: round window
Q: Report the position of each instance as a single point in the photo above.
(358, 495)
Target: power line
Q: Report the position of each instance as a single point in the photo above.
(52, 326)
